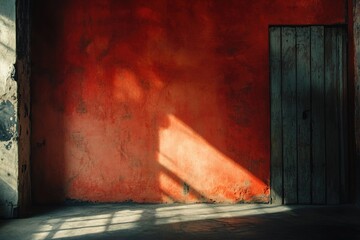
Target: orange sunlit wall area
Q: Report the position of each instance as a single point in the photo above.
(156, 101)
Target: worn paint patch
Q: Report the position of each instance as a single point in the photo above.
(8, 146)
(7, 121)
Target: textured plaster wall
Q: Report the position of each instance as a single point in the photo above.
(8, 110)
(156, 101)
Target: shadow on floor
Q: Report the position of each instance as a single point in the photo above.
(193, 221)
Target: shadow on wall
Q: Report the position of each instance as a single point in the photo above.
(7, 42)
(160, 101)
(153, 101)
(47, 103)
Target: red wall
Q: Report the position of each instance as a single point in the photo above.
(156, 101)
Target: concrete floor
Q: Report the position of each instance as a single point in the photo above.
(194, 221)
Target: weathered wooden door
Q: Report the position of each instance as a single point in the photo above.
(308, 115)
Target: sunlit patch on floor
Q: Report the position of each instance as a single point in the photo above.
(79, 223)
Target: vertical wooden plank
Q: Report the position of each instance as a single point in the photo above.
(276, 121)
(318, 175)
(303, 114)
(289, 114)
(331, 116)
(344, 170)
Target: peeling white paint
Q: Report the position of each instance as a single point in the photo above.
(8, 92)
(7, 41)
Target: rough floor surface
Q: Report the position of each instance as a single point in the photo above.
(194, 221)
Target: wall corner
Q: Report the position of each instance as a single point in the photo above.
(23, 71)
(356, 57)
